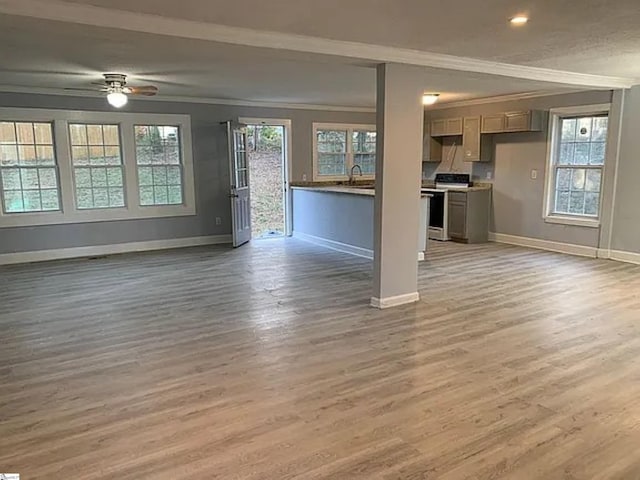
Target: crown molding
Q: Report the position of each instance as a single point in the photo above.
(139, 22)
(198, 100)
(511, 97)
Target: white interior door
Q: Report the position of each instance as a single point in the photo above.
(240, 191)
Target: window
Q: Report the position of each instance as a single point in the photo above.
(28, 168)
(97, 166)
(337, 148)
(576, 161)
(59, 166)
(159, 165)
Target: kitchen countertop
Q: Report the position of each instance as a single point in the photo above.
(477, 186)
(352, 190)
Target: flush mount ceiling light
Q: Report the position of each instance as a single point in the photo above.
(519, 20)
(430, 98)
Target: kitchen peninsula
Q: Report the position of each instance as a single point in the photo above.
(341, 217)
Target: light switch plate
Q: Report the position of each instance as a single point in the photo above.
(534, 174)
(304, 177)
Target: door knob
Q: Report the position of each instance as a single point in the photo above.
(233, 195)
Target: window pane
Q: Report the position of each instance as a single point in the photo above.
(577, 179)
(591, 203)
(175, 195)
(566, 154)
(593, 180)
(11, 179)
(25, 133)
(581, 156)
(562, 201)
(83, 178)
(78, 134)
(569, 129)
(116, 197)
(32, 201)
(43, 133)
(158, 159)
(8, 155)
(13, 202)
(367, 163)
(45, 155)
(563, 181)
(583, 132)
(100, 198)
(50, 200)
(576, 203)
(84, 197)
(111, 134)
(29, 178)
(27, 155)
(332, 164)
(597, 153)
(7, 133)
(98, 177)
(600, 127)
(332, 141)
(96, 155)
(114, 177)
(94, 134)
(48, 178)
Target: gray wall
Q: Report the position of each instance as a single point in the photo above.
(517, 199)
(210, 168)
(626, 218)
(340, 217)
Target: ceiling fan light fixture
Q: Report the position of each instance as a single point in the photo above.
(430, 98)
(117, 99)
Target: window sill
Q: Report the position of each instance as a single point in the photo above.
(91, 216)
(574, 221)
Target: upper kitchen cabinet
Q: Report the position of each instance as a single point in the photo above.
(431, 147)
(475, 147)
(444, 127)
(525, 121)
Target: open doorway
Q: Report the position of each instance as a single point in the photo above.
(267, 148)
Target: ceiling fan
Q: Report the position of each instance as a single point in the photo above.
(116, 88)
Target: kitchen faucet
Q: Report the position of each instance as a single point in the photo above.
(351, 179)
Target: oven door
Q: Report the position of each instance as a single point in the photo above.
(436, 217)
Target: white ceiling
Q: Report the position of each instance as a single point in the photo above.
(43, 54)
(589, 36)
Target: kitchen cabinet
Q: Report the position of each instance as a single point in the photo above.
(431, 147)
(469, 216)
(475, 147)
(523, 121)
(444, 127)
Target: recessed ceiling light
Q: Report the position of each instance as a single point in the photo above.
(430, 98)
(519, 20)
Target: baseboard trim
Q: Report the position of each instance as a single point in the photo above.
(112, 249)
(570, 248)
(627, 257)
(389, 302)
(333, 245)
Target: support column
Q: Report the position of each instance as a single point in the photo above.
(400, 117)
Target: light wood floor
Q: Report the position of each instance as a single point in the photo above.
(266, 363)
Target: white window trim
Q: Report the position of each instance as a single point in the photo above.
(62, 148)
(555, 115)
(348, 127)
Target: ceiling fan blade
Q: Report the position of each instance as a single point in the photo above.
(94, 90)
(147, 91)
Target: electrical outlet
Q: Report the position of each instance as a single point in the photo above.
(218, 221)
(304, 177)
(534, 174)
(489, 175)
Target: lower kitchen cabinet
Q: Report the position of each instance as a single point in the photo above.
(469, 216)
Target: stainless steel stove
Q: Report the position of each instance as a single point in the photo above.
(439, 206)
